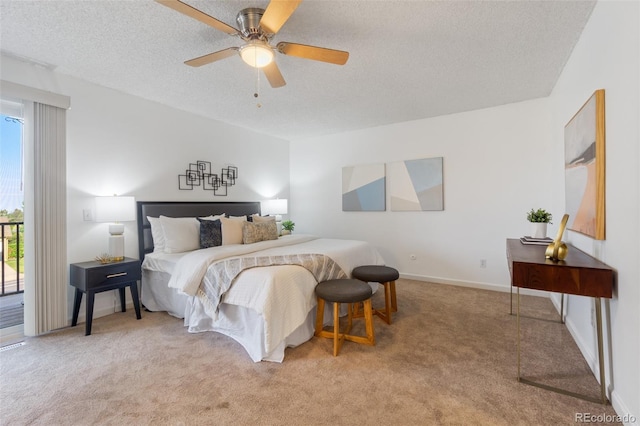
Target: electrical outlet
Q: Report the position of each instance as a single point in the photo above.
(87, 216)
(483, 263)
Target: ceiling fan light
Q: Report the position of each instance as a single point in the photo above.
(257, 54)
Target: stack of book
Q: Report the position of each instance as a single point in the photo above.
(536, 241)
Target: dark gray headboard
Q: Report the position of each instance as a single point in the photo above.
(184, 209)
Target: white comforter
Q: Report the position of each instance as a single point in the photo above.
(191, 268)
(283, 303)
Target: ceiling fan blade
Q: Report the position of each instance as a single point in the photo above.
(272, 72)
(212, 57)
(276, 14)
(338, 57)
(200, 16)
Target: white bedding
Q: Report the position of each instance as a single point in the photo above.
(277, 302)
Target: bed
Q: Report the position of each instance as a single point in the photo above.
(259, 291)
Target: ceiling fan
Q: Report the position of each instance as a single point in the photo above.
(257, 28)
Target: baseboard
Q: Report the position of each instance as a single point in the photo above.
(623, 411)
(474, 284)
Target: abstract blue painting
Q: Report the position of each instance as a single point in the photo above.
(363, 188)
(416, 185)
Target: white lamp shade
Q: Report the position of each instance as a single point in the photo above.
(278, 206)
(115, 209)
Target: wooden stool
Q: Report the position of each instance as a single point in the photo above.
(386, 276)
(344, 291)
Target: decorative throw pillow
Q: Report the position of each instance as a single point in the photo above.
(180, 234)
(157, 234)
(231, 231)
(258, 219)
(254, 232)
(210, 233)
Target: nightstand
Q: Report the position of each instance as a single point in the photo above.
(94, 277)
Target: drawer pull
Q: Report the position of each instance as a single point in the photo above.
(119, 274)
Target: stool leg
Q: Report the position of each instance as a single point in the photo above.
(368, 317)
(394, 301)
(336, 329)
(356, 310)
(350, 311)
(319, 316)
(385, 314)
(387, 301)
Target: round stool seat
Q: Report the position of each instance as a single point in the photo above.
(375, 273)
(343, 291)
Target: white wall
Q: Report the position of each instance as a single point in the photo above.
(117, 143)
(499, 163)
(607, 57)
(496, 168)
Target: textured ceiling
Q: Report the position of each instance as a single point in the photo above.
(408, 59)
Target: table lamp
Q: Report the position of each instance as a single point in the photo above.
(115, 210)
(276, 207)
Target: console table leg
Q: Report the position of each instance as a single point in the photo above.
(518, 322)
(603, 391)
(511, 301)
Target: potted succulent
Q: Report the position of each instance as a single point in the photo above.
(539, 220)
(287, 227)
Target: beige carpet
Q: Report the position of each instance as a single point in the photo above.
(448, 358)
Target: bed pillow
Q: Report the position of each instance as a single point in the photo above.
(157, 234)
(231, 230)
(260, 219)
(241, 218)
(210, 233)
(180, 234)
(262, 231)
(212, 217)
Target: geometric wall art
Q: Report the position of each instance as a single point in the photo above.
(584, 168)
(199, 174)
(363, 188)
(416, 185)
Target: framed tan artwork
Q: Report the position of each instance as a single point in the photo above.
(584, 168)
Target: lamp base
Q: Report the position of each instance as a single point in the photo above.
(116, 247)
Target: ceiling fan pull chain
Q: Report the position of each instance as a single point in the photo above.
(255, 95)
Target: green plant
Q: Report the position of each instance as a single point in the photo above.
(288, 225)
(539, 216)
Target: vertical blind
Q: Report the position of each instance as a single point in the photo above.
(49, 215)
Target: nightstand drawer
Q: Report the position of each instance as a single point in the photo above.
(93, 275)
(113, 274)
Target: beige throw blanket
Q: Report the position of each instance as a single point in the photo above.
(220, 275)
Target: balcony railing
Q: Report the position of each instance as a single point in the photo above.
(12, 256)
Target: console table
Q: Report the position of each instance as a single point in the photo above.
(578, 274)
